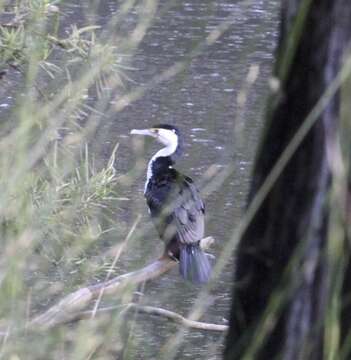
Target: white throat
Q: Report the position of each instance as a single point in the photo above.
(164, 152)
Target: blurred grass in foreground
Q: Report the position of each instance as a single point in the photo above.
(55, 204)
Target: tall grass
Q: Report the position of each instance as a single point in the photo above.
(56, 204)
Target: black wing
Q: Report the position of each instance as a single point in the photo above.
(176, 208)
(189, 214)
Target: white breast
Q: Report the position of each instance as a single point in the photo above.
(166, 151)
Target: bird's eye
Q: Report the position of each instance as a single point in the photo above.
(155, 131)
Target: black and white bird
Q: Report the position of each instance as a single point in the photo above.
(175, 205)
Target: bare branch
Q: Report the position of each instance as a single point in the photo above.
(68, 308)
(152, 310)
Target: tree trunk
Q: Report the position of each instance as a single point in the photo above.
(283, 274)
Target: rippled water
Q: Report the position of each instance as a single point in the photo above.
(203, 103)
(219, 133)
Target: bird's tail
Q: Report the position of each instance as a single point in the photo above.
(194, 265)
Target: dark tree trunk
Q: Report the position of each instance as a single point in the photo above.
(282, 265)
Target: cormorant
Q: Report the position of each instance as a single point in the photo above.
(175, 205)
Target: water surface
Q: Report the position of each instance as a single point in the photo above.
(219, 134)
(202, 102)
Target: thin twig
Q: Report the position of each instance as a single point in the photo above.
(156, 311)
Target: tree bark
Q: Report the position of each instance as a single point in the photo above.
(282, 273)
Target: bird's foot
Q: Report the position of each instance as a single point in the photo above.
(170, 254)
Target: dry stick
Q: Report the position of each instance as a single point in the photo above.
(151, 310)
(68, 308)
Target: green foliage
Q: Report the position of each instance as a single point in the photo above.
(11, 45)
(57, 202)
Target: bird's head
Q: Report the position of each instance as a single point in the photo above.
(167, 135)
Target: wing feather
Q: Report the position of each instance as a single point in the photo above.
(177, 209)
(189, 216)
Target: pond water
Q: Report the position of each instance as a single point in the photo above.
(203, 103)
(221, 127)
(219, 132)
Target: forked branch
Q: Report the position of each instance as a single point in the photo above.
(69, 307)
